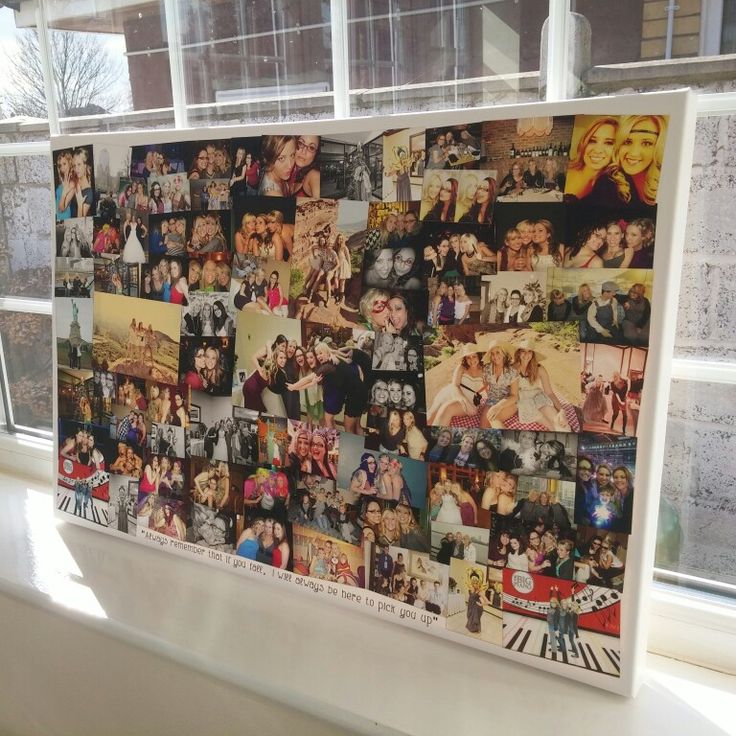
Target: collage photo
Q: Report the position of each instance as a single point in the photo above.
(411, 361)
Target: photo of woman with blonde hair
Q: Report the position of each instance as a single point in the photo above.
(430, 193)
(500, 387)
(538, 403)
(84, 193)
(66, 187)
(633, 177)
(593, 153)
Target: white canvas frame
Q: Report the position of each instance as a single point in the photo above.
(671, 219)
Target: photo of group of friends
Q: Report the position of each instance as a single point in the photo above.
(409, 361)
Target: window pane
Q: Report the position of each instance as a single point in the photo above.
(25, 226)
(654, 44)
(113, 63)
(698, 510)
(431, 54)
(706, 326)
(26, 345)
(243, 59)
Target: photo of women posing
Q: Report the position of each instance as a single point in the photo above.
(534, 243)
(536, 179)
(265, 539)
(290, 166)
(74, 238)
(156, 160)
(167, 404)
(209, 160)
(170, 194)
(604, 494)
(505, 378)
(450, 254)
(464, 448)
(165, 279)
(165, 475)
(207, 315)
(514, 298)
(458, 146)
(74, 183)
(611, 382)
(616, 161)
(206, 364)
(327, 510)
(246, 173)
(409, 577)
(312, 450)
(392, 225)
(458, 196)
(393, 268)
(327, 559)
(394, 311)
(268, 234)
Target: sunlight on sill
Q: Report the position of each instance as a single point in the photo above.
(54, 568)
(714, 702)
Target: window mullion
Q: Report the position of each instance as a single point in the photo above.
(557, 61)
(176, 63)
(340, 60)
(47, 66)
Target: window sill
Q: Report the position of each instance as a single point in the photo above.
(646, 74)
(242, 632)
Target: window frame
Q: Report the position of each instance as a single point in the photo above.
(684, 624)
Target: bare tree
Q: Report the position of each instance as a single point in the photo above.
(84, 76)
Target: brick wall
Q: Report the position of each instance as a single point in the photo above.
(686, 29)
(25, 223)
(498, 137)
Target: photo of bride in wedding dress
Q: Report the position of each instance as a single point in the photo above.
(133, 231)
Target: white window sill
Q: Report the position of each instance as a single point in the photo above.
(355, 671)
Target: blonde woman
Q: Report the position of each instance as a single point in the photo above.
(414, 441)
(593, 154)
(84, 196)
(463, 303)
(66, 189)
(500, 387)
(430, 194)
(389, 531)
(633, 176)
(466, 195)
(537, 403)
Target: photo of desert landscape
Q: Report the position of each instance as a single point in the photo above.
(136, 337)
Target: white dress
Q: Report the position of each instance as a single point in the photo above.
(454, 393)
(470, 555)
(518, 561)
(220, 451)
(133, 250)
(449, 512)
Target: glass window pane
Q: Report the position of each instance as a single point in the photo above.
(697, 509)
(113, 63)
(706, 327)
(25, 226)
(243, 60)
(622, 46)
(26, 347)
(430, 54)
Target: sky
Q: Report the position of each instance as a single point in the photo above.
(114, 43)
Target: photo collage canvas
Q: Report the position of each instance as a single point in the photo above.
(408, 361)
